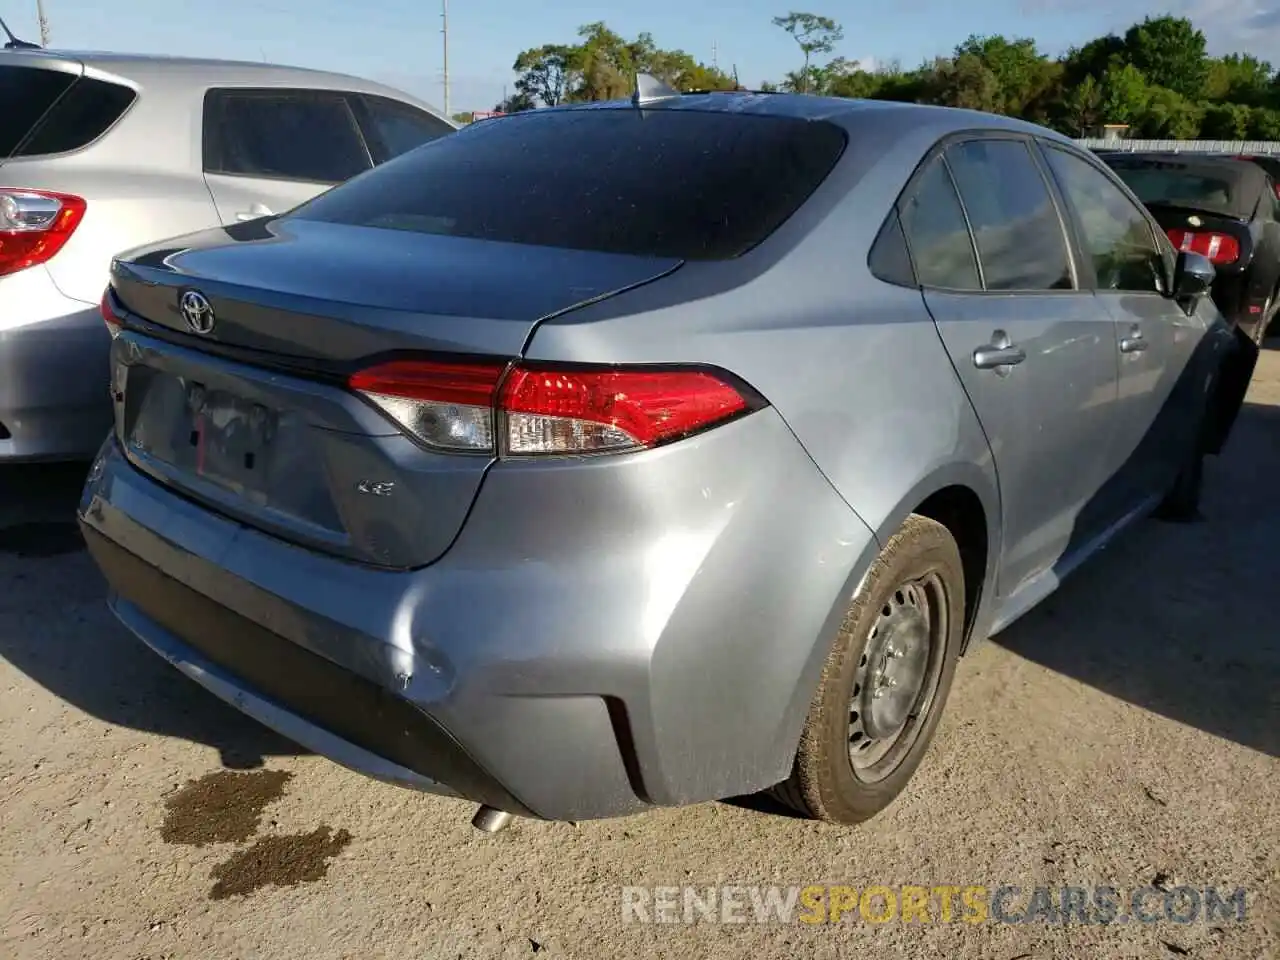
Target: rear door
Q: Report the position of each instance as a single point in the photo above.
(266, 151)
(1033, 349)
(1161, 392)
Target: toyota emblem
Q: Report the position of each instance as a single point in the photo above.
(197, 312)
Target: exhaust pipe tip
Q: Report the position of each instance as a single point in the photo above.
(491, 820)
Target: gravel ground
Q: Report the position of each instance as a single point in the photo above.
(1126, 733)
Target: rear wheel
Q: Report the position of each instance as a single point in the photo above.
(885, 680)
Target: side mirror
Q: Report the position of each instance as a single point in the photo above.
(1192, 276)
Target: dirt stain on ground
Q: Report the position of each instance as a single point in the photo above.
(222, 807)
(284, 861)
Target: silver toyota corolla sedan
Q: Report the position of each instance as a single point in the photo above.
(101, 152)
(650, 452)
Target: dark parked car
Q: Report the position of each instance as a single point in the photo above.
(1267, 163)
(1224, 209)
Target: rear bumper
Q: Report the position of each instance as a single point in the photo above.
(54, 372)
(646, 638)
(331, 710)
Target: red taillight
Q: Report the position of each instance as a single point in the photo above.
(1218, 247)
(34, 226)
(546, 410)
(595, 411)
(109, 315)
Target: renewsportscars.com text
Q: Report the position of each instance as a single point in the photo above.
(972, 904)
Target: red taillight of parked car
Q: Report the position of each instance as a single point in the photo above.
(34, 226)
(109, 315)
(1218, 247)
(540, 410)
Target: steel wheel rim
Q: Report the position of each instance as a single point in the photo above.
(896, 680)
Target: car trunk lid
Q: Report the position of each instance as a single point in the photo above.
(253, 418)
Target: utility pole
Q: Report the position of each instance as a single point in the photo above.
(444, 31)
(715, 60)
(44, 23)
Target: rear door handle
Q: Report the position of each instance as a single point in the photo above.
(1134, 343)
(1000, 352)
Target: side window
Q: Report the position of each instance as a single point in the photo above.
(1117, 236)
(83, 114)
(285, 135)
(937, 234)
(1015, 224)
(26, 93)
(890, 260)
(400, 127)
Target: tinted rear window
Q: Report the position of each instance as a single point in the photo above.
(1215, 188)
(84, 113)
(25, 94)
(699, 186)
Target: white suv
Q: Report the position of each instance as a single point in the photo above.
(100, 153)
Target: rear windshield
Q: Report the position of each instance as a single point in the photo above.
(674, 183)
(48, 111)
(1198, 186)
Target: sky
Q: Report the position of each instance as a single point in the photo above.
(399, 42)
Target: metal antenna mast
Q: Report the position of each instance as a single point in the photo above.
(444, 31)
(44, 23)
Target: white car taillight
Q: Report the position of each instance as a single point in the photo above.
(548, 410)
(34, 226)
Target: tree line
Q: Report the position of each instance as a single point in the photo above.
(1157, 78)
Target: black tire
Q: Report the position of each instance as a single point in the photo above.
(920, 559)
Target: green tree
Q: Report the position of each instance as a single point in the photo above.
(1226, 121)
(547, 73)
(1081, 108)
(603, 65)
(1264, 124)
(1125, 94)
(515, 103)
(861, 84)
(1169, 116)
(965, 82)
(1091, 60)
(1023, 74)
(1170, 52)
(1239, 78)
(822, 79)
(608, 63)
(814, 34)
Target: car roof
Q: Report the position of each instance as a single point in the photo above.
(139, 68)
(843, 110)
